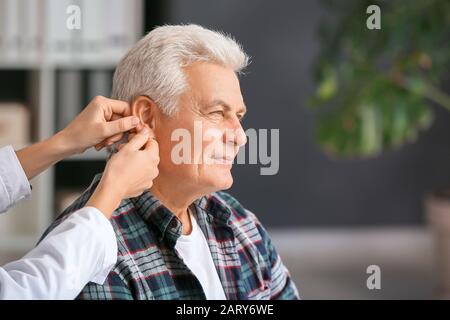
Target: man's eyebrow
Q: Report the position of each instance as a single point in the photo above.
(219, 102)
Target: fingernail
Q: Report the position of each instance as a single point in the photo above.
(145, 131)
(135, 121)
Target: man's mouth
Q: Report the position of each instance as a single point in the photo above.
(222, 160)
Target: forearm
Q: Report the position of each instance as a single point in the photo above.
(82, 248)
(106, 197)
(39, 156)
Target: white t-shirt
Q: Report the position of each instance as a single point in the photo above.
(194, 250)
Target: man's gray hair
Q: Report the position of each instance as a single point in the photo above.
(153, 67)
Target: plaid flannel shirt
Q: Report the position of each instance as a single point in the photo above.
(148, 266)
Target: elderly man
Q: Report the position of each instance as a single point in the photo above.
(184, 238)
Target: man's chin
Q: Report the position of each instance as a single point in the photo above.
(228, 182)
(222, 183)
(227, 186)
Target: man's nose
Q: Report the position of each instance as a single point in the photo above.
(236, 135)
(241, 137)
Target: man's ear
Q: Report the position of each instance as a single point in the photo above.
(145, 109)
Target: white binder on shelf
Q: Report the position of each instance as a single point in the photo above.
(36, 31)
(93, 30)
(59, 46)
(2, 29)
(121, 31)
(11, 31)
(31, 30)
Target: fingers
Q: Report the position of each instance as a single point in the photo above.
(116, 107)
(120, 125)
(120, 146)
(139, 140)
(117, 137)
(99, 146)
(115, 116)
(131, 135)
(151, 141)
(113, 139)
(109, 141)
(151, 134)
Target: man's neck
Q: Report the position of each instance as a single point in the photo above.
(176, 201)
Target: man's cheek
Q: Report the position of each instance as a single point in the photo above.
(212, 144)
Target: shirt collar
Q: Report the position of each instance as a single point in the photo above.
(209, 208)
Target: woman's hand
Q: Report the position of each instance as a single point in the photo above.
(101, 123)
(128, 173)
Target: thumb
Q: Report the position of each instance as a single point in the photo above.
(120, 125)
(139, 140)
(151, 140)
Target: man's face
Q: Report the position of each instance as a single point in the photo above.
(209, 110)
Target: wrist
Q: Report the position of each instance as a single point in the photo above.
(63, 144)
(105, 198)
(109, 187)
(39, 156)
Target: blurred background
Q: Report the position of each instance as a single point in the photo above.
(363, 114)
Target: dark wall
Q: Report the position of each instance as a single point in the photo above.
(311, 189)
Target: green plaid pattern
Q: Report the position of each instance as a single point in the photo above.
(148, 266)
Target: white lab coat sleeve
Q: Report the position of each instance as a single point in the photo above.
(14, 185)
(82, 248)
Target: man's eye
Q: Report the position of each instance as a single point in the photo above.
(219, 112)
